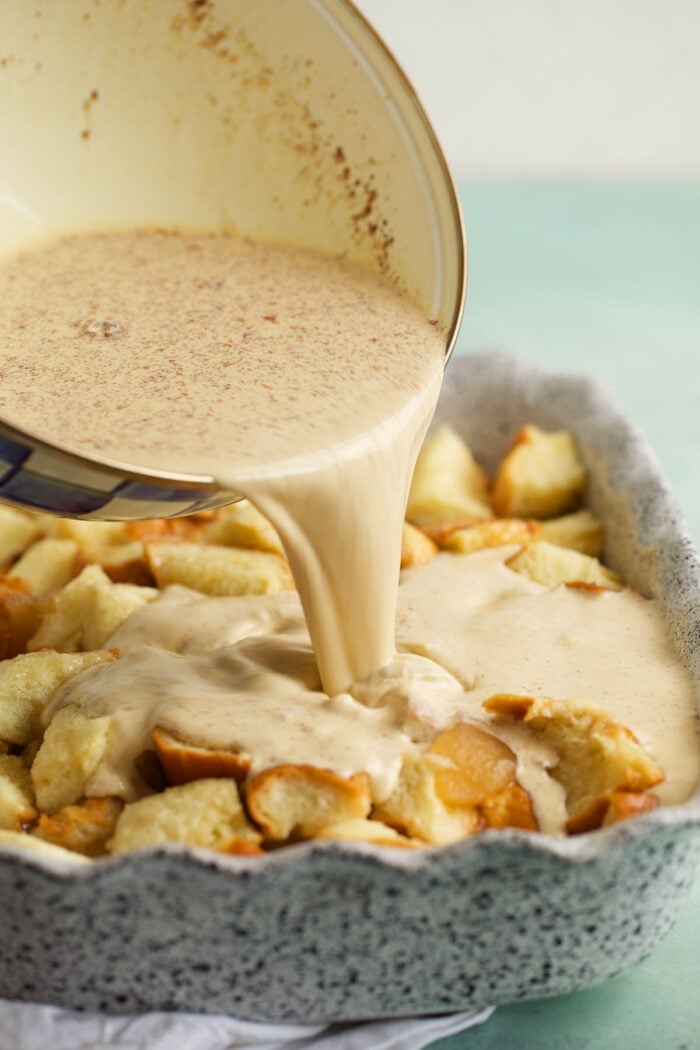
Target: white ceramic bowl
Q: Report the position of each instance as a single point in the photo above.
(333, 931)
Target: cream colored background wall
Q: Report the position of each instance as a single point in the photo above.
(554, 88)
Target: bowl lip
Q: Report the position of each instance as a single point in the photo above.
(589, 847)
(206, 482)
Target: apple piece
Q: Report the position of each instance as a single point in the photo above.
(597, 755)
(510, 808)
(416, 809)
(480, 765)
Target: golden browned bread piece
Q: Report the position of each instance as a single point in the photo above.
(84, 613)
(611, 809)
(448, 485)
(542, 476)
(242, 525)
(17, 805)
(85, 533)
(622, 805)
(72, 749)
(218, 570)
(416, 547)
(597, 755)
(48, 564)
(20, 613)
(580, 531)
(84, 828)
(360, 829)
(17, 531)
(416, 809)
(296, 801)
(183, 762)
(29, 681)
(21, 840)
(193, 527)
(465, 783)
(497, 532)
(122, 563)
(206, 813)
(550, 565)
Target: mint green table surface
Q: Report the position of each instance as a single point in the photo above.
(604, 280)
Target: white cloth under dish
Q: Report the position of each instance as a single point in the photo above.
(28, 1026)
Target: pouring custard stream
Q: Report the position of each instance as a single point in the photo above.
(293, 378)
(307, 385)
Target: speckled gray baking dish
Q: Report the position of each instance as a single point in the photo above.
(330, 931)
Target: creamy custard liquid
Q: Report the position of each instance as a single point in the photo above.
(303, 384)
(293, 378)
(240, 672)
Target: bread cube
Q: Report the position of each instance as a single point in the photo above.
(47, 565)
(416, 547)
(22, 841)
(416, 808)
(295, 802)
(29, 681)
(497, 532)
(510, 808)
(106, 609)
(191, 527)
(242, 525)
(206, 813)
(17, 531)
(542, 476)
(87, 611)
(596, 754)
(84, 828)
(623, 805)
(217, 570)
(123, 563)
(84, 533)
(580, 531)
(16, 793)
(448, 485)
(20, 612)
(551, 566)
(359, 829)
(72, 749)
(183, 762)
